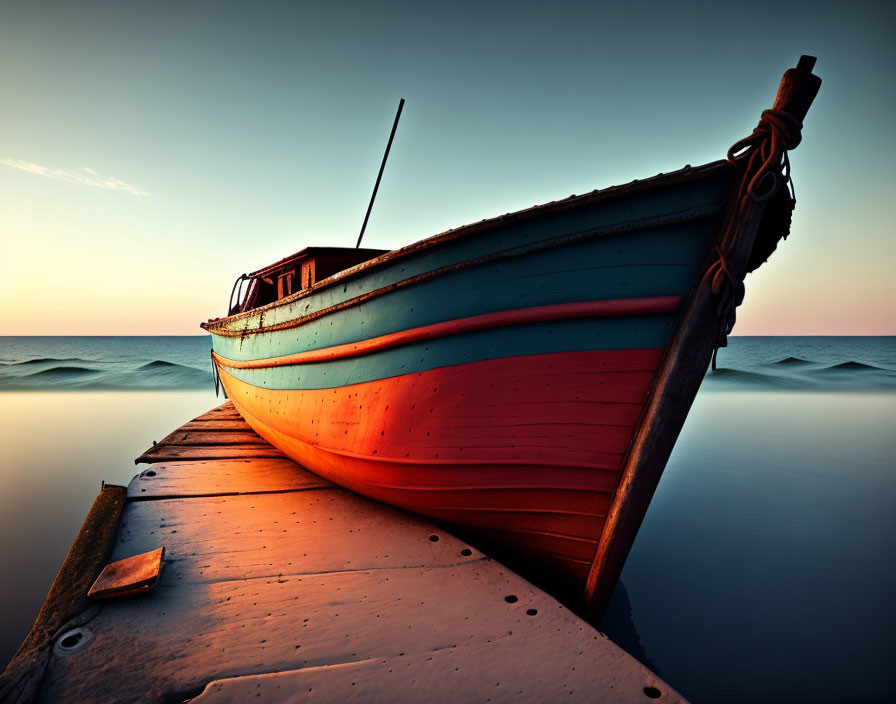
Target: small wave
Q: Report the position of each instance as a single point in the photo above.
(62, 372)
(740, 377)
(850, 376)
(45, 360)
(161, 364)
(153, 375)
(792, 362)
(855, 366)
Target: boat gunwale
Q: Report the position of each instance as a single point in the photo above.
(218, 326)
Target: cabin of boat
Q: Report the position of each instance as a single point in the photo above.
(292, 274)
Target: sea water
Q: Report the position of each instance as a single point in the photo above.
(104, 363)
(763, 571)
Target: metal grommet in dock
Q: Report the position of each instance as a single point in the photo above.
(72, 641)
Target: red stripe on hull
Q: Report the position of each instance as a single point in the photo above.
(561, 311)
(524, 450)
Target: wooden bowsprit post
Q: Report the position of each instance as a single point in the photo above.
(745, 238)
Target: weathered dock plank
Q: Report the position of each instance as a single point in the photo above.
(219, 434)
(174, 453)
(213, 437)
(268, 535)
(225, 410)
(278, 585)
(221, 477)
(225, 425)
(465, 673)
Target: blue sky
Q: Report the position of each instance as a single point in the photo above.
(150, 153)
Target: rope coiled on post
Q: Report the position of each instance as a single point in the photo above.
(766, 149)
(763, 155)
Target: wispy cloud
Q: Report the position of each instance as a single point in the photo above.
(87, 177)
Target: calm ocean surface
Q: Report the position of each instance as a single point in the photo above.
(763, 572)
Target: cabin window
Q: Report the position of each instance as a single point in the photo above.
(252, 293)
(284, 283)
(307, 274)
(298, 273)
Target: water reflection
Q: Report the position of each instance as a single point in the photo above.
(762, 571)
(58, 447)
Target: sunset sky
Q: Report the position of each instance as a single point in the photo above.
(151, 152)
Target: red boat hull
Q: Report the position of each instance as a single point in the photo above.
(527, 450)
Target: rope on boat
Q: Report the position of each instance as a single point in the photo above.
(777, 132)
(763, 155)
(215, 373)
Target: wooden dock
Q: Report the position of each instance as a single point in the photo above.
(278, 586)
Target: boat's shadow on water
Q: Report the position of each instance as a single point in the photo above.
(619, 626)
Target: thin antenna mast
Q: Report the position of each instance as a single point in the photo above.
(380, 174)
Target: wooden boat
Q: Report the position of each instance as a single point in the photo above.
(525, 377)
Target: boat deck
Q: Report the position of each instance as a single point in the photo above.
(282, 587)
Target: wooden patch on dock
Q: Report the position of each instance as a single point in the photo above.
(133, 575)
